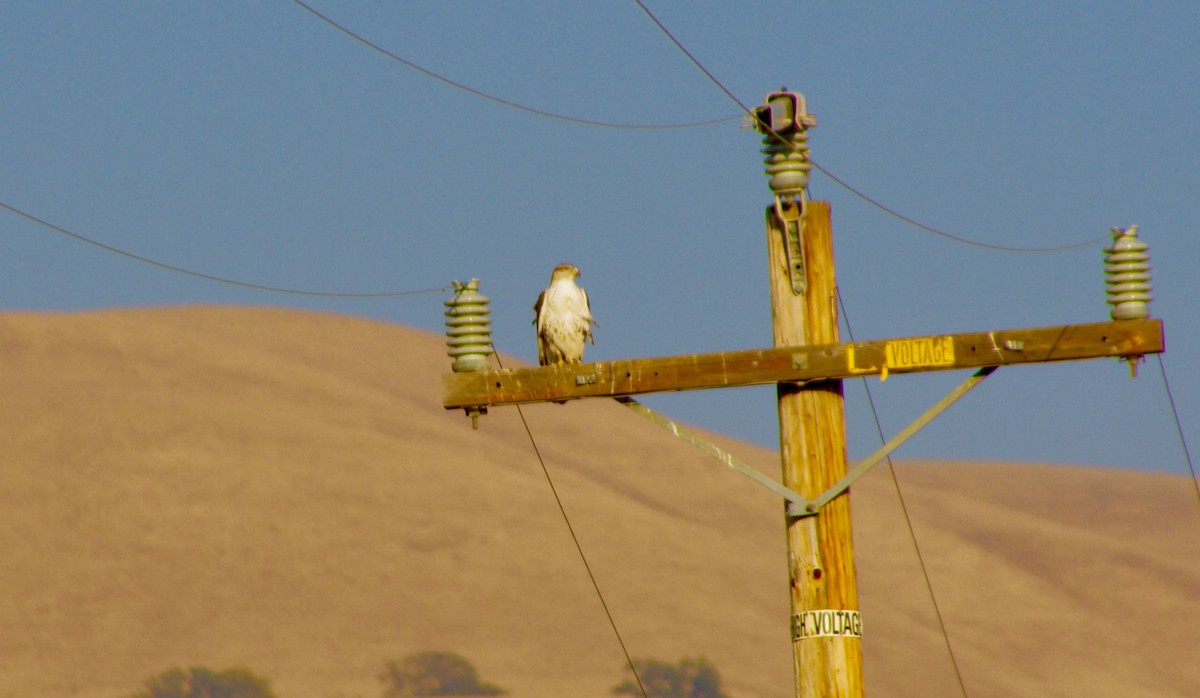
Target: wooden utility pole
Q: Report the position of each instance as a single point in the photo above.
(826, 629)
(808, 363)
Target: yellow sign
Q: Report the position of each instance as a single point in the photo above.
(920, 352)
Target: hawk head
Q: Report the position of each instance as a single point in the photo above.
(564, 272)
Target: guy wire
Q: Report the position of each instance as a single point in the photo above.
(1179, 426)
(912, 533)
(578, 546)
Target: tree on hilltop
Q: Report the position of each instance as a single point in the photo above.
(202, 682)
(689, 678)
(434, 674)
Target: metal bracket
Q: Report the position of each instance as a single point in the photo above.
(793, 243)
(811, 508)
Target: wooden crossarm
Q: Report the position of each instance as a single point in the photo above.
(1121, 339)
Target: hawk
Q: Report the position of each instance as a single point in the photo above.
(564, 318)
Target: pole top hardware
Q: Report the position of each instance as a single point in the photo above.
(784, 122)
(784, 112)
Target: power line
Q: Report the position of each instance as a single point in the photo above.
(942, 233)
(693, 59)
(1003, 248)
(912, 533)
(500, 100)
(1187, 455)
(578, 546)
(211, 277)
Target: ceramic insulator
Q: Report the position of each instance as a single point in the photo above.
(787, 163)
(469, 328)
(1127, 270)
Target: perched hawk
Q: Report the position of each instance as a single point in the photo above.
(564, 318)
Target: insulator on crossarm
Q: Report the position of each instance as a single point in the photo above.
(469, 334)
(1127, 271)
(469, 328)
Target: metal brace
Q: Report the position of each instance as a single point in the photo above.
(793, 243)
(797, 506)
(811, 508)
(793, 498)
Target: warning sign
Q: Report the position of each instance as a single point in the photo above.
(920, 352)
(826, 623)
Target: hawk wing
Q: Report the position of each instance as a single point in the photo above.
(537, 323)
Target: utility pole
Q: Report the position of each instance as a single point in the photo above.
(825, 623)
(826, 626)
(807, 364)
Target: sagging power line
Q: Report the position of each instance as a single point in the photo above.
(501, 100)
(856, 192)
(212, 277)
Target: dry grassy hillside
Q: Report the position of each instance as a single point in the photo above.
(282, 490)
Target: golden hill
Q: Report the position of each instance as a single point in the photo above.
(282, 490)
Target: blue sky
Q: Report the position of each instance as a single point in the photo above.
(253, 141)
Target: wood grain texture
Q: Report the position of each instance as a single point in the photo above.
(797, 363)
(812, 442)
